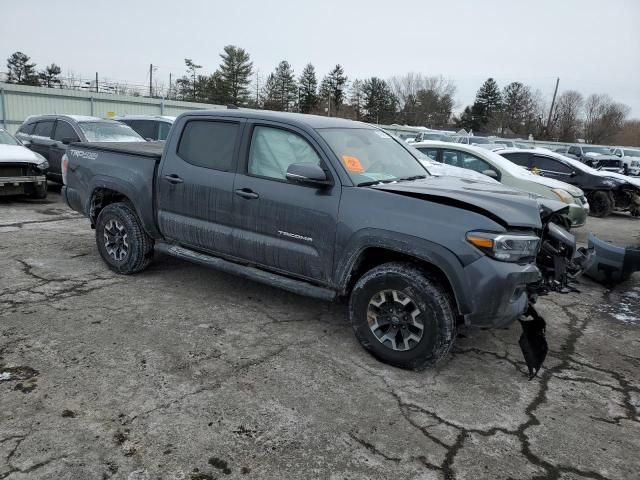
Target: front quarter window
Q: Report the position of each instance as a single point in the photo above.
(370, 155)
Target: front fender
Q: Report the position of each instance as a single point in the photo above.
(437, 255)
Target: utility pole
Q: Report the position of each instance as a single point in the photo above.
(553, 102)
(151, 80)
(257, 88)
(169, 94)
(96, 82)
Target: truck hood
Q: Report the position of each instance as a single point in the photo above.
(511, 208)
(19, 154)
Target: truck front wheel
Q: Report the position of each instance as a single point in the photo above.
(403, 315)
(122, 242)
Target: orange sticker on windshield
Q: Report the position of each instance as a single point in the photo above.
(353, 164)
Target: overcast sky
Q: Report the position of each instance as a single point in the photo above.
(592, 45)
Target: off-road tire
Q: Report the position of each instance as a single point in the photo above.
(430, 296)
(140, 245)
(600, 203)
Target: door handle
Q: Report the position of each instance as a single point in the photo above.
(173, 178)
(247, 193)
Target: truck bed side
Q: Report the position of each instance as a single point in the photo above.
(122, 169)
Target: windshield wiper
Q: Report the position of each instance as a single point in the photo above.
(407, 179)
(375, 182)
(392, 180)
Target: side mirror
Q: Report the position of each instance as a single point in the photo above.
(67, 140)
(573, 174)
(491, 173)
(307, 174)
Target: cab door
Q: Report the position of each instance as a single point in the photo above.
(63, 134)
(280, 225)
(195, 184)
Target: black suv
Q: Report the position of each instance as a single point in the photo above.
(605, 190)
(49, 136)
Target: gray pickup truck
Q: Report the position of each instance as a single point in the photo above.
(328, 208)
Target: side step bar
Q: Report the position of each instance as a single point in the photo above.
(285, 283)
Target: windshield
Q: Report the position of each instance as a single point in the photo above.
(602, 150)
(109, 132)
(371, 156)
(6, 139)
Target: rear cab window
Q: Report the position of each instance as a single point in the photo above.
(209, 144)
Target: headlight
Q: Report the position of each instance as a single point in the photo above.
(506, 247)
(42, 166)
(563, 195)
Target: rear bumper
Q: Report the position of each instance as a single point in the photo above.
(499, 291)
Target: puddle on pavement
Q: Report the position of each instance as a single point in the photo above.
(623, 306)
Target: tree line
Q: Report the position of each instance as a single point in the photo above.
(518, 110)
(411, 99)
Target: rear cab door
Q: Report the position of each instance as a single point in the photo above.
(194, 201)
(284, 226)
(41, 137)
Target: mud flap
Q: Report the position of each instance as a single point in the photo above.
(533, 342)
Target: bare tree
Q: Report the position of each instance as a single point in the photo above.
(423, 100)
(629, 135)
(566, 119)
(603, 118)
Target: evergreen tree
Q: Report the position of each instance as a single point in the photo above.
(20, 71)
(487, 105)
(517, 107)
(235, 72)
(468, 120)
(190, 86)
(308, 89)
(379, 101)
(334, 86)
(271, 93)
(356, 98)
(49, 77)
(283, 90)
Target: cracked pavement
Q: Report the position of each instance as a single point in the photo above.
(186, 373)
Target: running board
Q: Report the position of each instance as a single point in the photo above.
(285, 283)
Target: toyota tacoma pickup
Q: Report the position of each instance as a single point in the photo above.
(329, 208)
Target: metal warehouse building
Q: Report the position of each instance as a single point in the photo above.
(17, 102)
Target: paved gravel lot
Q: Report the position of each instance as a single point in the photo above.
(186, 373)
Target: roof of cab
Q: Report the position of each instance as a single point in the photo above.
(310, 121)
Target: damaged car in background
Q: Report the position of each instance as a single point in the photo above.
(606, 191)
(333, 209)
(22, 172)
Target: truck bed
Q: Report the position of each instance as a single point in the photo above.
(140, 149)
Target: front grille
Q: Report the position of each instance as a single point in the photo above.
(13, 170)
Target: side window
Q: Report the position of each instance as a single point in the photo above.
(209, 144)
(466, 160)
(27, 129)
(550, 164)
(273, 150)
(64, 130)
(163, 130)
(145, 128)
(44, 128)
(432, 153)
(522, 159)
(574, 150)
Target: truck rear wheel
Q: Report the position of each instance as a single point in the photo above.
(122, 242)
(403, 315)
(600, 204)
